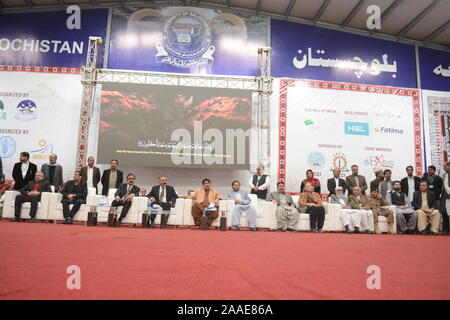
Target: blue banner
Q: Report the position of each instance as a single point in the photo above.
(43, 39)
(186, 40)
(434, 69)
(307, 52)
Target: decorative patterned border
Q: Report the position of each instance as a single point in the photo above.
(41, 69)
(286, 83)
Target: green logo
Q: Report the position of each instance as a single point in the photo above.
(309, 122)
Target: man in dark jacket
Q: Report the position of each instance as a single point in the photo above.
(124, 196)
(424, 202)
(23, 171)
(75, 193)
(163, 195)
(111, 178)
(31, 193)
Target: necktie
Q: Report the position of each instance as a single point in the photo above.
(161, 195)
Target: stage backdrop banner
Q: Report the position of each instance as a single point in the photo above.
(167, 126)
(328, 125)
(436, 106)
(43, 38)
(39, 113)
(434, 69)
(307, 52)
(186, 40)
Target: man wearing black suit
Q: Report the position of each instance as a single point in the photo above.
(23, 171)
(111, 178)
(90, 174)
(434, 182)
(74, 192)
(424, 202)
(124, 196)
(410, 183)
(335, 182)
(163, 195)
(31, 193)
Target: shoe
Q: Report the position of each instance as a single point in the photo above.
(32, 219)
(347, 230)
(368, 232)
(319, 231)
(152, 225)
(408, 231)
(236, 228)
(434, 233)
(424, 232)
(314, 230)
(253, 229)
(290, 230)
(15, 220)
(356, 230)
(69, 220)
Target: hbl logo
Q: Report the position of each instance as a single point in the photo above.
(357, 128)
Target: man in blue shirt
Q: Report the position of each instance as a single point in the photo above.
(242, 201)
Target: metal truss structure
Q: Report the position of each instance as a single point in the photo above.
(91, 76)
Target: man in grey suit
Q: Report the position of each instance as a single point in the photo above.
(445, 198)
(356, 180)
(287, 214)
(242, 201)
(53, 173)
(386, 186)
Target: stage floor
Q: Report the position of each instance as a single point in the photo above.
(134, 263)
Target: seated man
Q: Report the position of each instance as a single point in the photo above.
(313, 203)
(376, 202)
(360, 202)
(203, 197)
(424, 202)
(74, 192)
(242, 201)
(143, 192)
(287, 214)
(124, 196)
(163, 195)
(347, 213)
(31, 192)
(403, 209)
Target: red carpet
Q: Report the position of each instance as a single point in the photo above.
(133, 263)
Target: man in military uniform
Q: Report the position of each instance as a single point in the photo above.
(376, 202)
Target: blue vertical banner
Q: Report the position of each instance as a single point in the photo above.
(186, 40)
(309, 52)
(44, 39)
(434, 69)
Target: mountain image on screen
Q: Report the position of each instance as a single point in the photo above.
(137, 122)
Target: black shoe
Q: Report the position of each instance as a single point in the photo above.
(32, 219)
(290, 230)
(253, 229)
(408, 231)
(65, 221)
(347, 229)
(368, 232)
(424, 232)
(69, 220)
(15, 220)
(236, 228)
(434, 233)
(356, 230)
